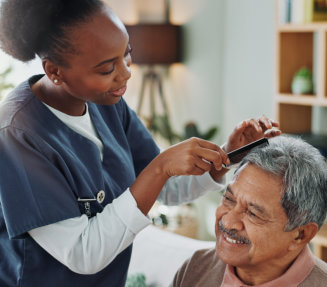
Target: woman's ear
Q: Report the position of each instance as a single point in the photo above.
(52, 71)
(303, 235)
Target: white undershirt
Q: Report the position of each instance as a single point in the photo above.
(86, 246)
(80, 124)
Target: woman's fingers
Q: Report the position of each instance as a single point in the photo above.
(206, 144)
(202, 164)
(192, 157)
(255, 125)
(196, 155)
(250, 130)
(265, 123)
(247, 127)
(268, 128)
(239, 129)
(272, 133)
(212, 153)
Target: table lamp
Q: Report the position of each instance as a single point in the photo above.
(155, 44)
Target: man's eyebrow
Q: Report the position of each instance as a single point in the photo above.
(258, 208)
(228, 188)
(105, 62)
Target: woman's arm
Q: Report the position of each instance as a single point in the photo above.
(86, 246)
(191, 157)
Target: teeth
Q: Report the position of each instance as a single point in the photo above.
(230, 240)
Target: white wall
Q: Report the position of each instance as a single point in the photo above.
(248, 60)
(199, 94)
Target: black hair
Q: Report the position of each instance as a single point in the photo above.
(40, 27)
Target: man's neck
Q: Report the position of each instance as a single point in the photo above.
(256, 275)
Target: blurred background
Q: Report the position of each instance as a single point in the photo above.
(225, 74)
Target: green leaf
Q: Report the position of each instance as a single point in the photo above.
(303, 72)
(210, 133)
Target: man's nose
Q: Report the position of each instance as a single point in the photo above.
(233, 220)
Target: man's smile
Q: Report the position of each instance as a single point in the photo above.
(233, 241)
(231, 236)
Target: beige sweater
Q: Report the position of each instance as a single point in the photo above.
(204, 269)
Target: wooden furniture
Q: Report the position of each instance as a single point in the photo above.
(319, 243)
(299, 45)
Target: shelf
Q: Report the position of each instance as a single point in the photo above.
(305, 27)
(303, 100)
(297, 46)
(294, 51)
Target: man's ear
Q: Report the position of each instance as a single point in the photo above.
(52, 70)
(303, 234)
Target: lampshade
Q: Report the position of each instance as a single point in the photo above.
(155, 43)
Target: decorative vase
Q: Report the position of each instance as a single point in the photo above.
(302, 82)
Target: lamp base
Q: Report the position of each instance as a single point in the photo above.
(155, 123)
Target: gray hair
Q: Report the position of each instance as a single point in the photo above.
(304, 173)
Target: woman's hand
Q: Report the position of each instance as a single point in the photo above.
(191, 157)
(194, 156)
(246, 132)
(251, 130)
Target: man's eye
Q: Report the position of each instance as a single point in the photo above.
(228, 199)
(250, 213)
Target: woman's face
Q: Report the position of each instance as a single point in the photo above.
(100, 69)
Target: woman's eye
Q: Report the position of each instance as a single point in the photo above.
(107, 72)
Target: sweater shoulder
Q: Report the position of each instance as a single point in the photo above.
(202, 269)
(318, 275)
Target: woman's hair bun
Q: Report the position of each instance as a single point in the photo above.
(23, 24)
(30, 27)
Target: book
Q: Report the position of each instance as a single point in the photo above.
(315, 11)
(284, 11)
(298, 11)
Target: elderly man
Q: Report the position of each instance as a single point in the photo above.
(270, 211)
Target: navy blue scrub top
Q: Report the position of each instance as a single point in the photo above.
(45, 167)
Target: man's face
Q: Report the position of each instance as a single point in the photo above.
(250, 221)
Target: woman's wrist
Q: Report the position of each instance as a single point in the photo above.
(158, 165)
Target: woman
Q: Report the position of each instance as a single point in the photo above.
(79, 170)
